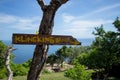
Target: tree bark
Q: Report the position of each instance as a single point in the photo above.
(9, 71)
(46, 26)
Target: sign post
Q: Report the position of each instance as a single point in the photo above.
(44, 39)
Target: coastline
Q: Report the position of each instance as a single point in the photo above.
(25, 52)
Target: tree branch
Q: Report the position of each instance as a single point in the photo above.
(57, 3)
(9, 71)
(42, 5)
(63, 1)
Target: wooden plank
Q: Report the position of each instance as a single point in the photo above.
(44, 39)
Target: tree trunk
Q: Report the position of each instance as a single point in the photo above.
(9, 71)
(46, 26)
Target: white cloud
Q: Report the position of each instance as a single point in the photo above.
(102, 9)
(7, 18)
(88, 23)
(72, 25)
(80, 28)
(106, 8)
(67, 18)
(19, 23)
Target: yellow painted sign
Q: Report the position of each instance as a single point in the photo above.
(44, 39)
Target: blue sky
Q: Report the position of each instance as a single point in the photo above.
(77, 17)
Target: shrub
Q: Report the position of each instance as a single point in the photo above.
(3, 73)
(19, 70)
(27, 63)
(78, 72)
(45, 71)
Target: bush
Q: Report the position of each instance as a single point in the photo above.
(19, 70)
(45, 71)
(78, 73)
(3, 73)
(27, 63)
(3, 48)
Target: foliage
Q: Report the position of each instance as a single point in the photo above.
(59, 56)
(52, 59)
(45, 71)
(117, 24)
(106, 48)
(83, 59)
(27, 63)
(62, 54)
(19, 69)
(3, 73)
(74, 52)
(104, 51)
(78, 73)
(67, 54)
(3, 47)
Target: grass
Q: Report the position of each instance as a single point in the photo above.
(17, 78)
(113, 78)
(51, 76)
(54, 76)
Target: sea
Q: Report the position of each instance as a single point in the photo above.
(25, 52)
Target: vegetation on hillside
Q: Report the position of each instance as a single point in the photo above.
(3, 71)
(104, 54)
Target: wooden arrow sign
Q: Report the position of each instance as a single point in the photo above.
(44, 39)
